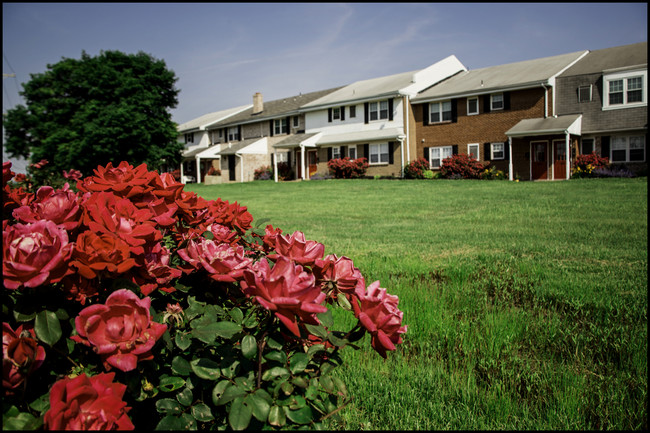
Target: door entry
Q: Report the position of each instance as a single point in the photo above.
(231, 167)
(312, 157)
(559, 162)
(539, 161)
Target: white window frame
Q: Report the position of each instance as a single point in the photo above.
(233, 133)
(282, 157)
(472, 113)
(352, 150)
(477, 155)
(336, 152)
(494, 154)
(585, 89)
(280, 126)
(378, 110)
(439, 108)
(437, 154)
(189, 137)
(624, 77)
(380, 151)
(492, 101)
(623, 143)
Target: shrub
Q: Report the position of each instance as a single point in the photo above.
(214, 171)
(263, 173)
(492, 173)
(284, 171)
(133, 304)
(612, 171)
(461, 166)
(427, 174)
(585, 164)
(416, 169)
(346, 168)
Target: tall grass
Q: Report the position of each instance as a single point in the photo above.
(526, 303)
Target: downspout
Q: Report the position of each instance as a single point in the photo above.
(181, 171)
(401, 149)
(407, 105)
(198, 169)
(275, 165)
(545, 100)
(510, 165)
(567, 155)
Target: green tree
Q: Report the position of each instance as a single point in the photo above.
(109, 108)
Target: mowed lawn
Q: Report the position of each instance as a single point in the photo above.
(526, 302)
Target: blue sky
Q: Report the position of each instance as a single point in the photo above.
(222, 53)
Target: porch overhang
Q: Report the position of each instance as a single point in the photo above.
(249, 146)
(571, 124)
(298, 140)
(361, 136)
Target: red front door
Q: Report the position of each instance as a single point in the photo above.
(312, 157)
(559, 161)
(539, 162)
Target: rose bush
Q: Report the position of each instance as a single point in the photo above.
(130, 303)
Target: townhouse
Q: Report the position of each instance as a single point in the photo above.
(369, 119)
(474, 111)
(609, 89)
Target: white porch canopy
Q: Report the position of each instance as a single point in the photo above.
(292, 142)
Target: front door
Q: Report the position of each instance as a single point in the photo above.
(298, 160)
(559, 162)
(231, 167)
(539, 162)
(312, 157)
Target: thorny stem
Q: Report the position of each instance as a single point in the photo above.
(260, 348)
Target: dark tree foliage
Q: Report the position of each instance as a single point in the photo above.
(109, 108)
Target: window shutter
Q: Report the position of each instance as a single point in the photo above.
(329, 115)
(239, 133)
(343, 149)
(604, 146)
(366, 151)
(426, 155)
(454, 149)
(342, 112)
(329, 153)
(289, 158)
(365, 112)
(486, 103)
(391, 160)
(487, 151)
(506, 100)
(454, 110)
(288, 124)
(425, 114)
(271, 128)
(390, 109)
(506, 151)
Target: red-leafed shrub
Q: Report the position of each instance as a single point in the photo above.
(417, 169)
(461, 166)
(586, 164)
(346, 168)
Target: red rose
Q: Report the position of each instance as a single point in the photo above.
(379, 314)
(286, 290)
(298, 249)
(88, 403)
(21, 355)
(155, 272)
(123, 180)
(7, 174)
(101, 254)
(34, 254)
(13, 198)
(338, 274)
(227, 214)
(190, 206)
(60, 206)
(221, 261)
(120, 330)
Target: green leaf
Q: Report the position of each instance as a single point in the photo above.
(298, 362)
(208, 235)
(340, 342)
(259, 406)
(315, 349)
(169, 406)
(274, 372)
(13, 419)
(327, 383)
(170, 422)
(41, 404)
(312, 392)
(227, 329)
(287, 388)
(231, 393)
(274, 344)
(181, 366)
(229, 367)
(237, 315)
(195, 308)
(183, 340)
(249, 347)
(187, 422)
(250, 322)
(47, 327)
(340, 385)
(326, 318)
(206, 334)
(206, 368)
(185, 397)
(240, 414)
(303, 415)
(170, 383)
(317, 330)
(276, 355)
(202, 412)
(24, 317)
(277, 416)
(218, 390)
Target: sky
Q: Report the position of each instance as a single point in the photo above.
(223, 53)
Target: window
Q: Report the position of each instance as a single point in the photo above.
(336, 152)
(496, 101)
(625, 89)
(280, 126)
(437, 154)
(379, 153)
(587, 146)
(296, 121)
(353, 111)
(189, 138)
(440, 112)
(282, 157)
(352, 152)
(628, 149)
(472, 151)
(472, 106)
(233, 133)
(498, 151)
(378, 110)
(336, 113)
(584, 93)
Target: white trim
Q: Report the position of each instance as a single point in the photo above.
(478, 110)
(440, 157)
(492, 157)
(478, 150)
(492, 95)
(440, 112)
(379, 153)
(624, 77)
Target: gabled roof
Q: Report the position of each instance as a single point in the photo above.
(547, 125)
(597, 61)
(517, 75)
(274, 109)
(239, 146)
(200, 123)
(397, 84)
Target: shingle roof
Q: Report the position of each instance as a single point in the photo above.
(546, 125)
(210, 118)
(274, 109)
(608, 58)
(237, 146)
(484, 80)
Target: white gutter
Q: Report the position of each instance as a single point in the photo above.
(510, 164)
(401, 147)
(275, 165)
(406, 129)
(545, 100)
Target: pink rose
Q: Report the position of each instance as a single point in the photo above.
(7, 174)
(298, 249)
(120, 330)
(338, 274)
(88, 403)
(21, 355)
(379, 314)
(60, 206)
(34, 254)
(221, 261)
(156, 273)
(287, 290)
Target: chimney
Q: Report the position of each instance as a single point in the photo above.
(258, 106)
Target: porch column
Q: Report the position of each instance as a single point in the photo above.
(275, 165)
(182, 162)
(241, 166)
(401, 150)
(198, 169)
(302, 161)
(568, 157)
(510, 164)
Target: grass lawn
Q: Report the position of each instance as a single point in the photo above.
(526, 303)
